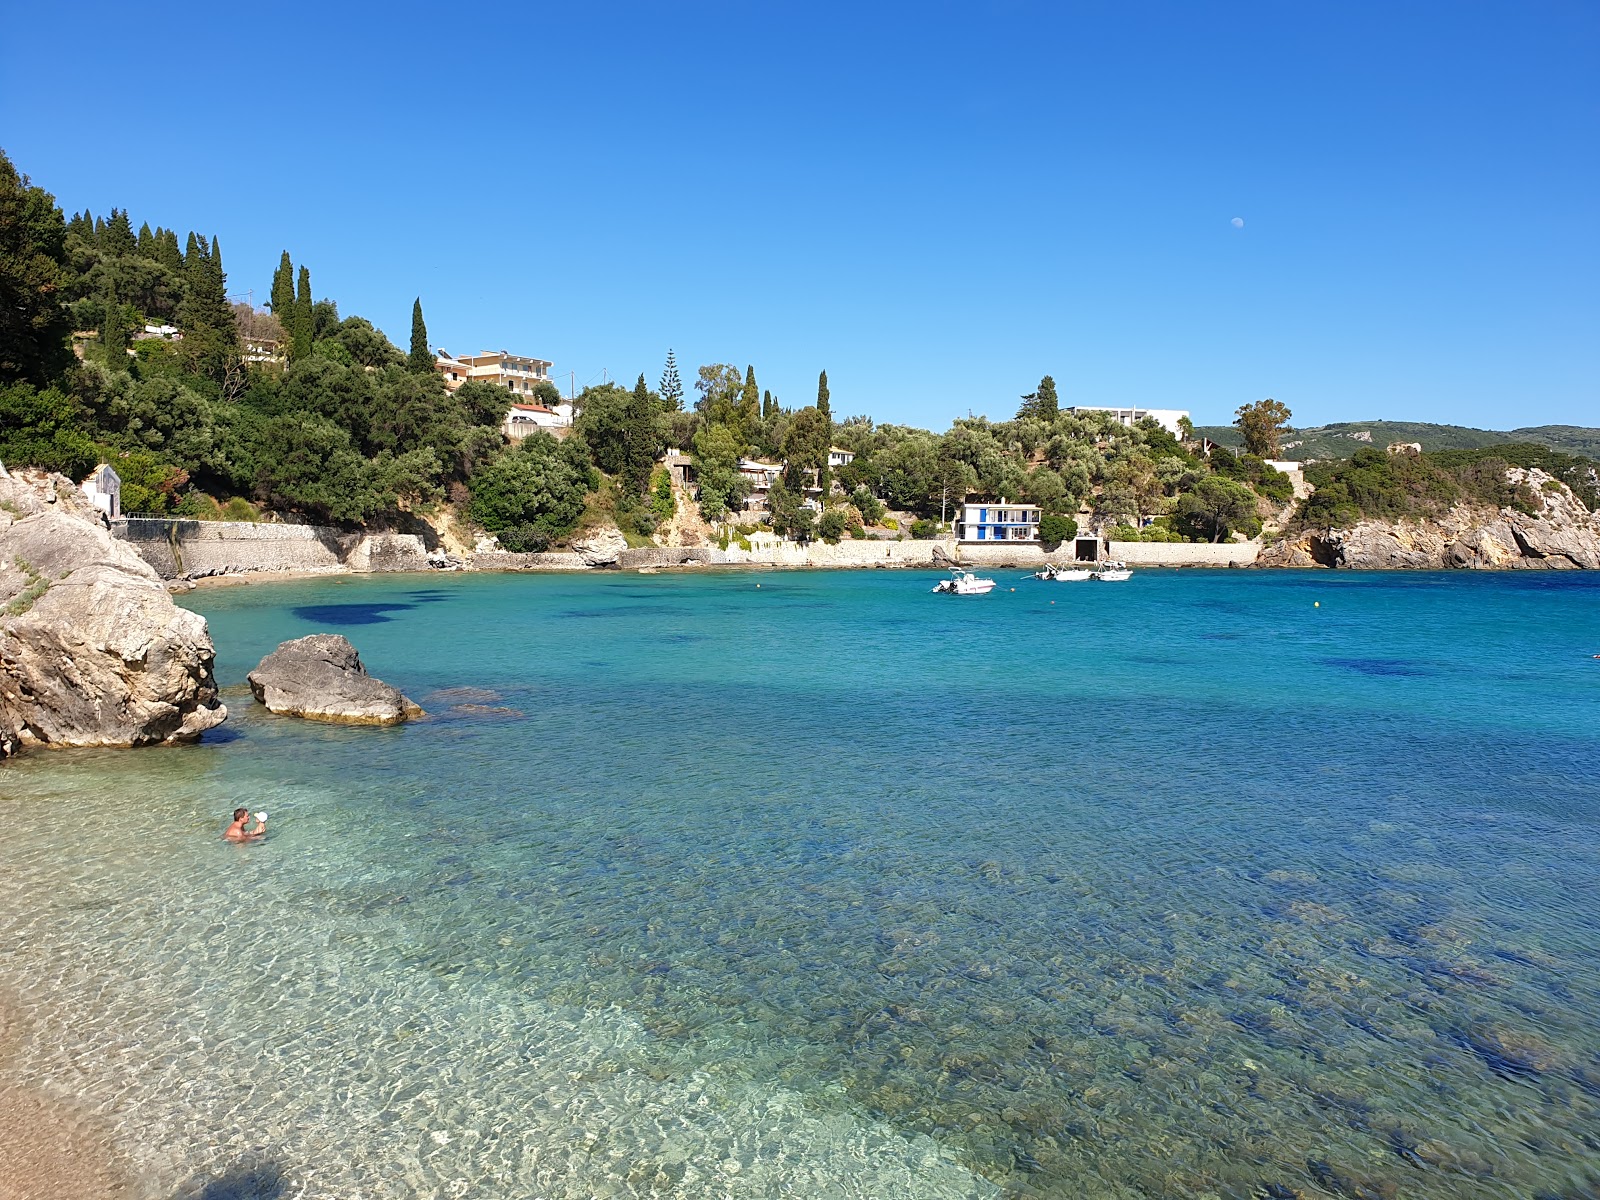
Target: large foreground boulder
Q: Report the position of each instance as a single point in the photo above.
(92, 650)
(321, 678)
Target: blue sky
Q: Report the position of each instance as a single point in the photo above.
(937, 203)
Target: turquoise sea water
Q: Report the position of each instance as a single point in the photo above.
(816, 884)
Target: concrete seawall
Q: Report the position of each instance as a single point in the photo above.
(184, 549)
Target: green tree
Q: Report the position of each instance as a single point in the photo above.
(302, 332)
(1262, 425)
(825, 408)
(603, 415)
(35, 325)
(282, 303)
(1054, 528)
(805, 444)
(533, 492)
(1215, 509)
(420, 360)
(716, 468)
(721, 389)
(749, 404)
(1041, 405)
(671, 385)
(44, 428)
(789, 514)
(546, 393)
(639, 440)
(118, 240)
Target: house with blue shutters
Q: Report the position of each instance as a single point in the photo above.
(985, 521)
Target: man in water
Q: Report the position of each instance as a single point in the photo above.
(236, 832)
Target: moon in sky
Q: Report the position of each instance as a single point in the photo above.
(1237, 222)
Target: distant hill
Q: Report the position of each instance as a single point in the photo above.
(1342, 437)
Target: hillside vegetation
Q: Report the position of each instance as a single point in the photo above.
(1343, 438)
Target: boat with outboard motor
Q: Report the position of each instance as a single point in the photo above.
(1055, 574)
(963, 583)
(1112, 571)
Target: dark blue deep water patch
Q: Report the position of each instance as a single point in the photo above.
(1386, 667)
(349, 614)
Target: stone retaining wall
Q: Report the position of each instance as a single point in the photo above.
(185, 549)
(1185, 554)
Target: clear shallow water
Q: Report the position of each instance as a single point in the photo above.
(832, 887)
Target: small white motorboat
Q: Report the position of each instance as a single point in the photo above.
(963, 583)
(1055, 574)
(1112, 571)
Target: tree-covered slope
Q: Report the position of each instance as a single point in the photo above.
(1342, 438)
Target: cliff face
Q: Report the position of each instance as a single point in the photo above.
(1561, 534)
(92, 650)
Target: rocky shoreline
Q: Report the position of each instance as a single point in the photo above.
(1560, 534)
(93, 652)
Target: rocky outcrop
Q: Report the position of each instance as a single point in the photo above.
(321, 677)
(379, 552)
(1559, 534)
(601, 548)
(92, 650)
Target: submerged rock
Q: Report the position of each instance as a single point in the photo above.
(321, 678)
(92, 650)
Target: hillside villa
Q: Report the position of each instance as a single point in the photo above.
(1168, 418)
(515, 372)
(985, 521)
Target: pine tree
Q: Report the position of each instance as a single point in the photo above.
(99, 230)
(118, 241)
(147, 241)
(283, 291)
(210, 336)
(302, 315)
(420, 360)
(167, 252)
(671, 385)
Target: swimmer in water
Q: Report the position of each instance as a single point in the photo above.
(236, 832)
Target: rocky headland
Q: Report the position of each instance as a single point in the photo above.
(93, 652)
(1559, 534)
(321, 678)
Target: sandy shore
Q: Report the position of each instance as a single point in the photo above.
(50, 1147)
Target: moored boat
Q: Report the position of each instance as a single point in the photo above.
(1112, 571)
(1055, 574)
(963, 583)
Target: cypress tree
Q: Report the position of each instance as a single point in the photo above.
(1041, 405)
(766, 406)
(420, 360)
(750, 402)
(167, 252)
(638, 433)
(113, 336)
(302, 315)
(99, 230)
(82, 225)
(671, 384)
(282, 302)
(147, 241)
(824, 406)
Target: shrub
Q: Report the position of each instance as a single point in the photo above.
(524, 539)
(240, 509)
(922, 528)
(1123, 533)
(832, 526)
(1054, 528)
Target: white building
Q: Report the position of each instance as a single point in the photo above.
(838, 458)
(524, 419)
(1167, 418)
(985, 522)
(514, 372)
(104, 490)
